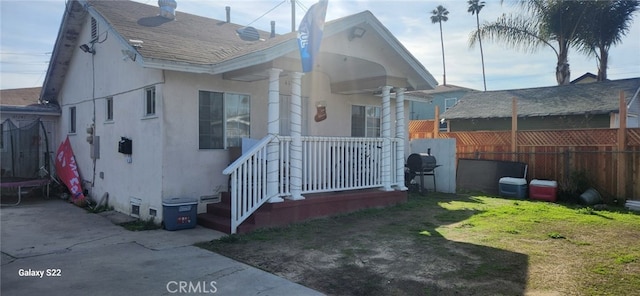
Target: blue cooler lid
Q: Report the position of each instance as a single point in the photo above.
(512, 181)
(179, 201)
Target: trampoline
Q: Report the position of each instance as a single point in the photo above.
(25, 159)
(20, 183)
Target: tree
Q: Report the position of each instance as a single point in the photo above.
(608, 22)
(439, 15)
(547, 22)
(474, 8)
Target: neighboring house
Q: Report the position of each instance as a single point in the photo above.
(21, 107)
(186, 92)
(585, 78)
(423, 102)
(589, 105)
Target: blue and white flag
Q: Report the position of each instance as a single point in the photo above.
(310, 34)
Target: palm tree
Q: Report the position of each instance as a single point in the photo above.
(474, 8)
(548, 22)
(439, 15)
(609, 22)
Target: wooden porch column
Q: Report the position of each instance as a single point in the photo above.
(296, 140)
(622, 146)
(273, 128)
(400, 126)
(386, 135)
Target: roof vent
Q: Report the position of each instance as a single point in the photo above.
(168, 8)
(248, 34)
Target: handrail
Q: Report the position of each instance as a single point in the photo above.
(330, 164)
(245, 156)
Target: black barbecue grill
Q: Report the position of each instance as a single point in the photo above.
(421, 164)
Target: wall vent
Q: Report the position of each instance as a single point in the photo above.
(94, 30)
(135, 206)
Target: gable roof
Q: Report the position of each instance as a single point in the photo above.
(585, 78)
(25, 101)
(592, 98)
(192, 43)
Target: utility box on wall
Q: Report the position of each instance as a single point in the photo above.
(125, 146)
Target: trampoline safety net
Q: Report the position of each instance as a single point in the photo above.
(24, 150)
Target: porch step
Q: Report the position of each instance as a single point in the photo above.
(212, 221)
(218, 216)
(223, 224)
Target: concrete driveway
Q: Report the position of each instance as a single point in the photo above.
(55, 248)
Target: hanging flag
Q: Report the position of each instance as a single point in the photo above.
(67, 171)
(310, 34)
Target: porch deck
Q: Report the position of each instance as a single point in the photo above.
(315, 205)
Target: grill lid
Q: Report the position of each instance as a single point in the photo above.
(421, 162)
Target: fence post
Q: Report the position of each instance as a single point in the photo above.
(436, 125)
(514, 128)
(567, 174)
(622, 145)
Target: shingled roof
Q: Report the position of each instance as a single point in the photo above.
(20, 96)
(192, 43)
(25, 101)
(591, 98)
(189, 38)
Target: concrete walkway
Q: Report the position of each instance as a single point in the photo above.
(82, 253)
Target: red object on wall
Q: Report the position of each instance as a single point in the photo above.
(67, 171)
(543, 190)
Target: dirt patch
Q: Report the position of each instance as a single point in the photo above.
(453, 245)
(394, 251)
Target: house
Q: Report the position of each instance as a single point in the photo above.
(21, 108)
(585, 78)
(589, 105)
(423, 102)
(160, 104)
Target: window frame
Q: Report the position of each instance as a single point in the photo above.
(446, 105)
(108, 107)
(150, 101)
(367, 128)
(225, 132)
(73, 120)
(2, 135)
(442, 125)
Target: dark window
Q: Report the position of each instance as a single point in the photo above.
(365, 121)
(223, 119)
(150, 101)
(72, 120)
(109, 109)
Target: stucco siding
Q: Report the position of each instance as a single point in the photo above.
(90, 80)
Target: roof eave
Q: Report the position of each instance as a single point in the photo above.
(30, 110)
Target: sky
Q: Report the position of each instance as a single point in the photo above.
(28, 30)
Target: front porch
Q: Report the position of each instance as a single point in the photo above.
(277, 180)
(315, 205)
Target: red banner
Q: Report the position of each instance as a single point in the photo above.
(67, 171)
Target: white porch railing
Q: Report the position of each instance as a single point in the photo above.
(336, 164)
(248, 184)
(328, 164)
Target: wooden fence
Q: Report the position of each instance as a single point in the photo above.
(556, 155)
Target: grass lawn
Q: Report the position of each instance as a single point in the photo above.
(445, 244)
